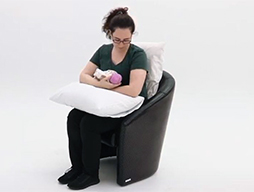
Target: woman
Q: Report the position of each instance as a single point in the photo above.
(84, 129)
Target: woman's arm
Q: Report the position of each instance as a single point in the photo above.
(86, 76)
(137, 80)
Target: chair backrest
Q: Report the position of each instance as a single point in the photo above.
(166, 85)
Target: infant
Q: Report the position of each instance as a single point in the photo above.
(115, 77)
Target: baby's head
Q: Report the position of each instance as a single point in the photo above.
(115, 78)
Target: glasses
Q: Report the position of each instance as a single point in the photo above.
(118, 41)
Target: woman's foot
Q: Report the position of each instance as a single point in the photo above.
(83, 181)
(70, 175)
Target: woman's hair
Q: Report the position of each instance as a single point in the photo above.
(117, 18)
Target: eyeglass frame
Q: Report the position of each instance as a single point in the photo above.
(120, 41)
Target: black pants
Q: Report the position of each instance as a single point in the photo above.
(84, 133)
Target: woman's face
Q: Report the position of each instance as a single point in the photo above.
(121, 38)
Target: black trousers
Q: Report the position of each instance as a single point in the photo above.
(84, 135)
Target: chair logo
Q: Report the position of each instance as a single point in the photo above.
(127, 180)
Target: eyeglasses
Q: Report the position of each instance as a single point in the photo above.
(118, 41)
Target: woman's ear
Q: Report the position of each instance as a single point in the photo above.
(110, 32)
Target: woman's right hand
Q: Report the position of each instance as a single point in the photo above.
(104, 83)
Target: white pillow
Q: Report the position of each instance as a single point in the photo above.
(154, 52)
(97, 101)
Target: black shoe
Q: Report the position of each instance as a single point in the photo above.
(69, 175)
(83, 181)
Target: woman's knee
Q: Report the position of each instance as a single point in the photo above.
(96, 124)
(90, 123)
(75, 116)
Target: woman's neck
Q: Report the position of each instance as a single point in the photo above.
(121, 51)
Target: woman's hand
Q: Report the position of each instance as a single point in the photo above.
(104, 83)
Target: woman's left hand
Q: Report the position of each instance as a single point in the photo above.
(104, 83)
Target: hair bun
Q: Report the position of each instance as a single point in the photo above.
(117, 17)
(122, 10)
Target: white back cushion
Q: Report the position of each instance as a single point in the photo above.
(154, 52)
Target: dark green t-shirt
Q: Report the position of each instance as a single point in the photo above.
(135, 58)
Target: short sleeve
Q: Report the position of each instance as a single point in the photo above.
(96, 57)
(139, 61)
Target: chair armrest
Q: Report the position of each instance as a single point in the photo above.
(136, 114)
(164, 90)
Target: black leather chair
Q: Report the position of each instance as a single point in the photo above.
(138, 142)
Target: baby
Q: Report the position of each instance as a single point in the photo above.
(115, 77)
